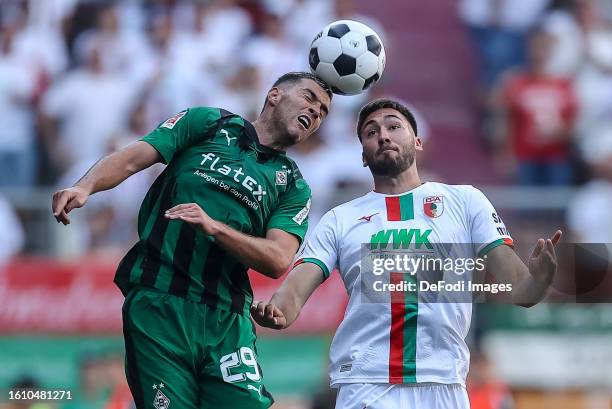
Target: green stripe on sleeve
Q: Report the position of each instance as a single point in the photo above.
(318, 263)
(492, 245)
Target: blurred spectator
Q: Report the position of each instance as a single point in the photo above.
(485, 390)
(240, 92)
(594, 80)
(498, 29)
(272, 52)
(539, 112)
(41, 42)
(95, 387)
(11, 234)
(588, 215)
(568, 51)
(583, 48)
(582, 36)
(111, 215)
(305, 18)
(83, 109)
(121, 397)
(17, 89)
(176, 82)
(122, 51)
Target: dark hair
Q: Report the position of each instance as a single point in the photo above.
(291, 77)
(383, 103)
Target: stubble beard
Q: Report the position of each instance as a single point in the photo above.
(388, 166)
(281, 126)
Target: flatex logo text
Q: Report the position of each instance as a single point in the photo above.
(211, 161)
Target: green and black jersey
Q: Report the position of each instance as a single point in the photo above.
(214, 159)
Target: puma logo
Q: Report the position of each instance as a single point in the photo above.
(258, 390)
(226, 134)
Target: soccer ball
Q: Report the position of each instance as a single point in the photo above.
(349, 56)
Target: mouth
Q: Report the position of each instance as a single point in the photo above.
(387, 148)
(305, 121)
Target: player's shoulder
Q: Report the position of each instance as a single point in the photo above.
(213, 113)
(453, 190)
(355, 206)
(460, 194)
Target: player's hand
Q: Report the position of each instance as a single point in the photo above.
(193, 214)
(66, 200)
(268, 315)
(543, 261)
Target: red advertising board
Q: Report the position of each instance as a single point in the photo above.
(49, 296)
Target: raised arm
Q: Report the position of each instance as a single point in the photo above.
(107, 173)
(286, 304)
(270, 255)
(529, 282)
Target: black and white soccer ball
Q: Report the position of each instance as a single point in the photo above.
(348, 55)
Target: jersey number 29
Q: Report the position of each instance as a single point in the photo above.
(244, 356)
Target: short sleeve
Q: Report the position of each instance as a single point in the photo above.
(321, 247)
(183, 130)
(291, 214)
(487, 229)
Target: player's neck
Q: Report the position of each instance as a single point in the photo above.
(267, 134)
(393, 185)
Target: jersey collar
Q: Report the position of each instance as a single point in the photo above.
(254, 139)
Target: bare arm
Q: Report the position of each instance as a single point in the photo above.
(530, 282)
(286, 304)
(107, 173)
(270, 256)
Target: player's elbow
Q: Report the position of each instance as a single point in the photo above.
(280, 266)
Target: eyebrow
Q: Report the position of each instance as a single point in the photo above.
(385, 117)
(314, 96)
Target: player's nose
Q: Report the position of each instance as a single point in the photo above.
(383, 137)
(315, 114)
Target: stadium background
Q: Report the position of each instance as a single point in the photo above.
(81, 78)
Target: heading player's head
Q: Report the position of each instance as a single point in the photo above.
(296, 105)
(387, 131)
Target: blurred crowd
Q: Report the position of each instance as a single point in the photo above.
(545, 98)
(79, 79)
(82, 78)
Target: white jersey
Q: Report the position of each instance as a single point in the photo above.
(401, 342)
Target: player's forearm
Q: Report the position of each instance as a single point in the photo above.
(289, 303)
(261, 254)
(508, 268)
(292, 295)
(528, 290)
(113, 169)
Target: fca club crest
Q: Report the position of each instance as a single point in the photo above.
(433, 206)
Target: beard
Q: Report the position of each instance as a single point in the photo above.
(391, 166)
(280, 123)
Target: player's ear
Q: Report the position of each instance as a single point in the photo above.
(418, 143)
(363, 159)
(274, 96)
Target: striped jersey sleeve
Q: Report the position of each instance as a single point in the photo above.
(321, 247)
(486, 226)
(291, 214)
(183, 130)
